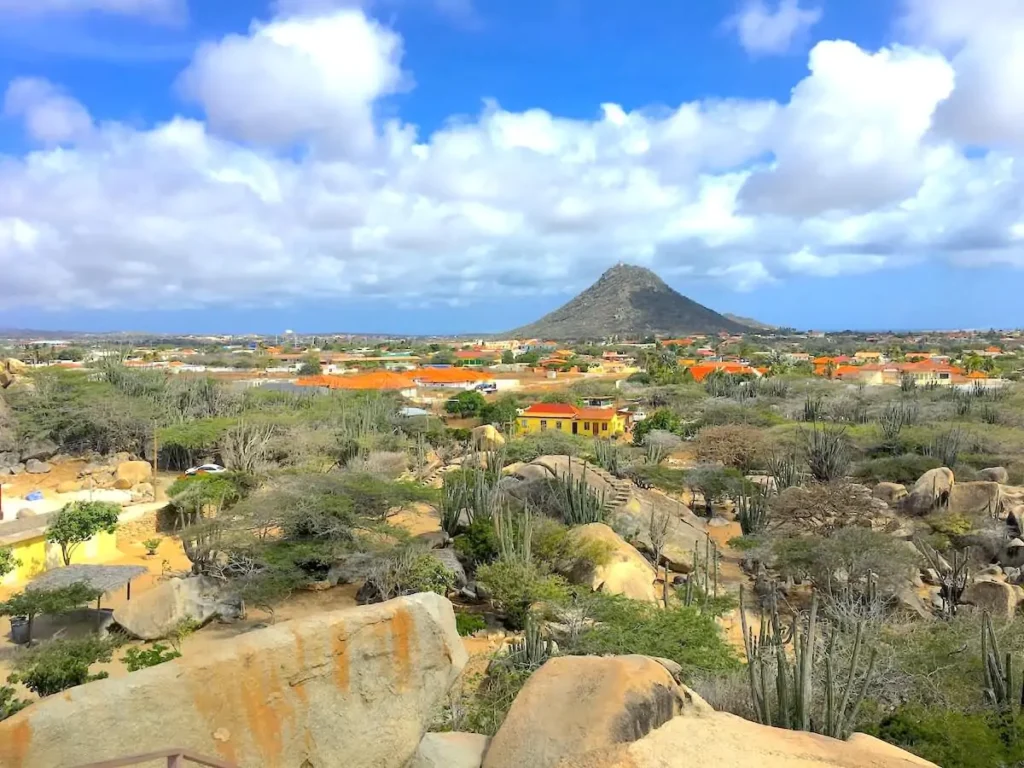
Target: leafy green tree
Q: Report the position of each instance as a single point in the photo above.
(78, 522)
(8, 562)
(507, 358)
(311, 366)
(33, 602)
(529, 358)
(8, 704)
(466, 404)
(501, 411)
(661, 419)
(61, 664)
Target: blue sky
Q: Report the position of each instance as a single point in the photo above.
(445, 166)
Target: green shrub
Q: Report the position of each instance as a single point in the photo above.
(33, 602)
(556, 549)
(8, 562)
(136, 658)
(955, 739)
(481, 706)
(904, 469)
(407, 571)
(61, 664)
(551, 442)
(684, 634)
(516, 586)
(468, 623)
(949, 523)
(8, 704)
(478, 544)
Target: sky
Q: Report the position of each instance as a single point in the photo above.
(451, 166)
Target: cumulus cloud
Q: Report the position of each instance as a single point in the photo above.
(296, 79)
(292, 188)
(153, 10)
(763, 31)
(50, 115)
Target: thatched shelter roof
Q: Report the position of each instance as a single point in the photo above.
(103, 577)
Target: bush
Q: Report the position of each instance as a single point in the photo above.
(468, 623)
(466, 404)
(734, 445)
(662, 419)
(8, 704)
(31, 603)
(136, 658)
(551, 442)
(516, 586)
(684, 634)
(954, 739)
(481, 706)
(904, 469)
(61, 664)
(78, 522)
(406, 572)
(478, 544)
(556, 549)
(8, 562)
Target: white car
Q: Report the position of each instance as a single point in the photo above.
(205, 469)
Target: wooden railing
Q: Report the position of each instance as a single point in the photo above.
(175, 757)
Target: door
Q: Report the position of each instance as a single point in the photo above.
(575, 427)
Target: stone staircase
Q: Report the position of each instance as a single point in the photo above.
(621, 489)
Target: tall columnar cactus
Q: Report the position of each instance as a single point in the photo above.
(998, 672)
(753, 512)
(577, 502)
(796, 705)
(533, 650)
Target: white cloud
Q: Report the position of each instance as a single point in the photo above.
(51, 116)
(763, 31)
(298, 79)
(985, 40)
(152, 10)
(292, 189)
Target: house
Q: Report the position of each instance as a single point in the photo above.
(702, 370)
(378, 380)
(450, 378)
(593, 422)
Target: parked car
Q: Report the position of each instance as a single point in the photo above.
(205, 469)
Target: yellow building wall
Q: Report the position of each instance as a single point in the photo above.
(529, 424)
(36, 555)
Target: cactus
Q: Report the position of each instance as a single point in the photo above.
(784, 470)
(608, 456)
(533, 650)
(515, 533)
(814, 408)
(752, 510)
(795, 697)
(828, 454)
(953, 576)
(998, 673)
(577, 502)
(946, 447)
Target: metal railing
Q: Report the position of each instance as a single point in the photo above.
(175, 757)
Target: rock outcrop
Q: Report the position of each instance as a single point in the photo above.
(450, 750)
(931, 490)
(994, 475)
(997, 597)
(973, 499)
(154, 614)
(890, 493)
(486, 438)
(133, 473)
(575, 704)
(348, 688)
(625, 572)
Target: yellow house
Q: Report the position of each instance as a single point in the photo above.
(592, 422)
(26, 539)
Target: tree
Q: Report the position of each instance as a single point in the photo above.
(7, 561)
(502, 411)
(78, 522)
(507, 358)
(661, 419)
(311, 366)
(33, 602)
(466, 404)
(734, 445)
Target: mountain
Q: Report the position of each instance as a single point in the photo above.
(751, 323)
(632, 302)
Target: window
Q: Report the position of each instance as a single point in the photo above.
(543, 423)
(604, 426)
(558, 425)
(586, 425)
(525, 422)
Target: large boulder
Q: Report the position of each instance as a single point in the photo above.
(450, 750)
(994, 475)
(720, 740)
(890, 493)
(997, 597)
(486, 438)
(132, 473)
(625, 572)
(154, 614)
(974, 499)
(931, 490)
(575, 704)
(685, 529)
(14, 365)
(38, 449)
(449, 560)
(354, 687)
(36, 467)
(9, 458)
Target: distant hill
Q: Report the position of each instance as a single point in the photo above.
(751, 323)
(628, 301)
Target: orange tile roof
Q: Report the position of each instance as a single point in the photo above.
(702, 371)
(595, 414)
(977, 375)
(550, 409)
(372, 380)
(448, 376)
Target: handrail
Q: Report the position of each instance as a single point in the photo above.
(176, 758)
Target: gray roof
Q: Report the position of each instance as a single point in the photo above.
(104, 577)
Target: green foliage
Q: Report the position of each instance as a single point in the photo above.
(152, 544)
(468, 623)
(377, 497)
(221, 490)
(753, 511)
(828, 453)
(79, 521)
(904, 469)
(478, 544)
(33, 602)
(481, 708)
(551, 442)
(949, 523)
(61, 664)
(501, 411)
(8, 562)
(515, 586)
(136, 658)
(684, 634)
(575, 501)
(9, 705)
(715, 483)
(466, 404)
(662, 419)
(952, 738)
(406, 571)
(311, 365)
(945, 448)
(610, 456)
(556, 549)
